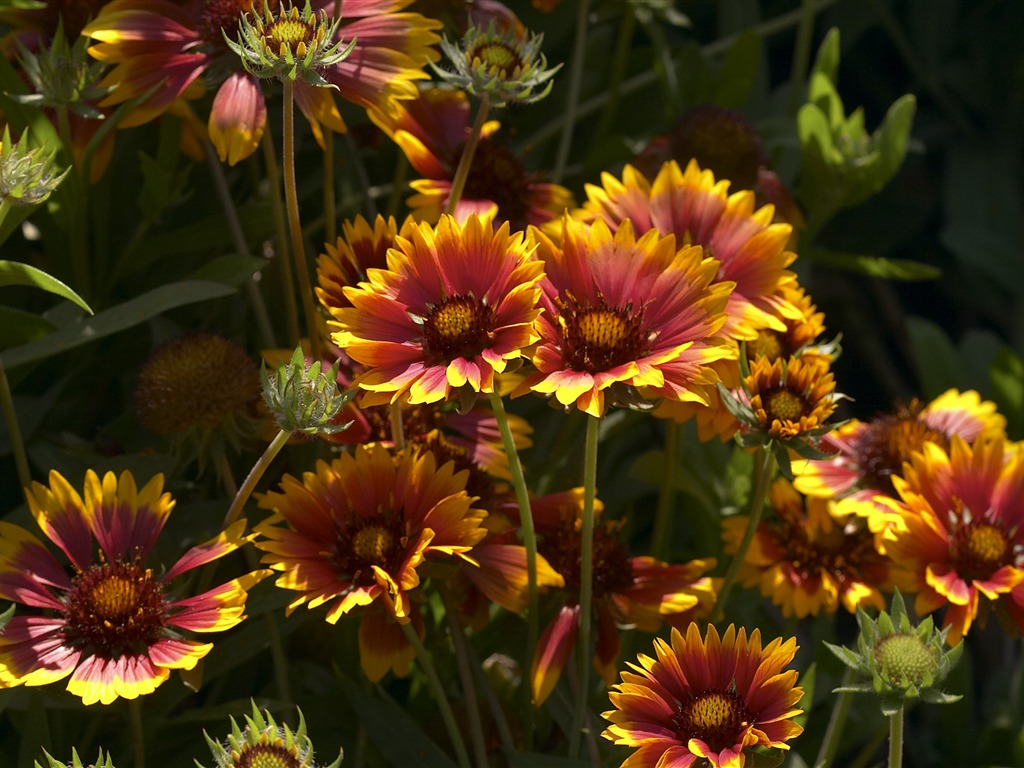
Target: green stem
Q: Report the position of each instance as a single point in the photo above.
(440, 696)
(291, 199)
(896, 738)
(280, 225)
(249, 484)
(138, 736)
(618, 72)
(763, 464)
(836, 723)
(397, 426)
(220, 184)
(76, 201)
(456, 630)
(573, 98)
(497, 713)
(17, 442)
(801, 54)
(583, 644)
(466, 161)
(661, 540)
(398, 183)
(529, 541)
(330, 208)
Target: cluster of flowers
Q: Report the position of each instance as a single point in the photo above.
(664, 292)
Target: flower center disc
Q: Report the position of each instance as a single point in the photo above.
(114, 609)
(715, 717)
(599, 338)
(784, 405)
(603, 329)
(888, 442)
(767, 344)
(903, 659)
(497, 56)
(266, 756)
(373, 544)
(458, 327)
(979, 550)
(289, 32)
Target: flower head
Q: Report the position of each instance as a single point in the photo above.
(27, 176)
(900, 662)
(305, 399)
(632, 318)
(262, 742)
(961, 544)
(503, 64)
(114, 624)
(806, 560)
(288, 43)
(706, 701)
(455, 307)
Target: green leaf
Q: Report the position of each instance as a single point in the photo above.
(1007, 377)
(892, 136)
(392, 730)
(20, 327)
(118, 318)
(769, 758)
(935, 357)
(230, 269)
(827, 61)
(873, 266)
(16, 273)
(739, 70)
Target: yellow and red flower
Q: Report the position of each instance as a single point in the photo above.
(114, 624)
(175, 47)
(456, 306)
(706, 701)
(962, 540)
(805, 560)
(432, 132)
(639, 591)
(634, 318)
(869, 454)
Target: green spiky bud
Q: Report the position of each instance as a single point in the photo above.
(288, 44)
(27, 176)
(305, 400)
(76, 762)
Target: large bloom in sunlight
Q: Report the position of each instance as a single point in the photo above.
(750, 249)
(432, 132)
(178, 49)
(633, 319)
(358, 529)
(962, 542)
(705, 701)
(455, 306)
(805, 560)
(869, 454)
(637, 591)
(114, 623)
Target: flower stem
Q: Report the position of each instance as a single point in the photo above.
(661, 539)
(573, 99)
(763, 464)
(283, 263)
(455, 629)
(17, 442)
(896, 738)
(529, 540)
(801, 54)
(397, 426)
(254, 476)
(138, 735)
(291, 199)
(836, 722)
(583, 645)
(440, 697)
(220, 184)
(330, 208)
(466, 161)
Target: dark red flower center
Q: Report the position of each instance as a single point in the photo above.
(718, 718)
(979, 549)
(785, 405)
(613, 571)
(597, 337)
(220, 17)
(363, 543)
(836, 551)
(498, 175)
(267, 756)
(458, 326)
(888, 441)
(114, 609)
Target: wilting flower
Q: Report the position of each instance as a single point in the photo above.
(114, 625)
(805, 560)
(961, 544)
(504, 65)
(633, 319)
(898, 661)
(455, 307)
(76, 761)
(177, 47)
(637, 591)
(262, 742)
(360, 528)
(869, 454)
(706, 701)
(432, 132)
(203, 390)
